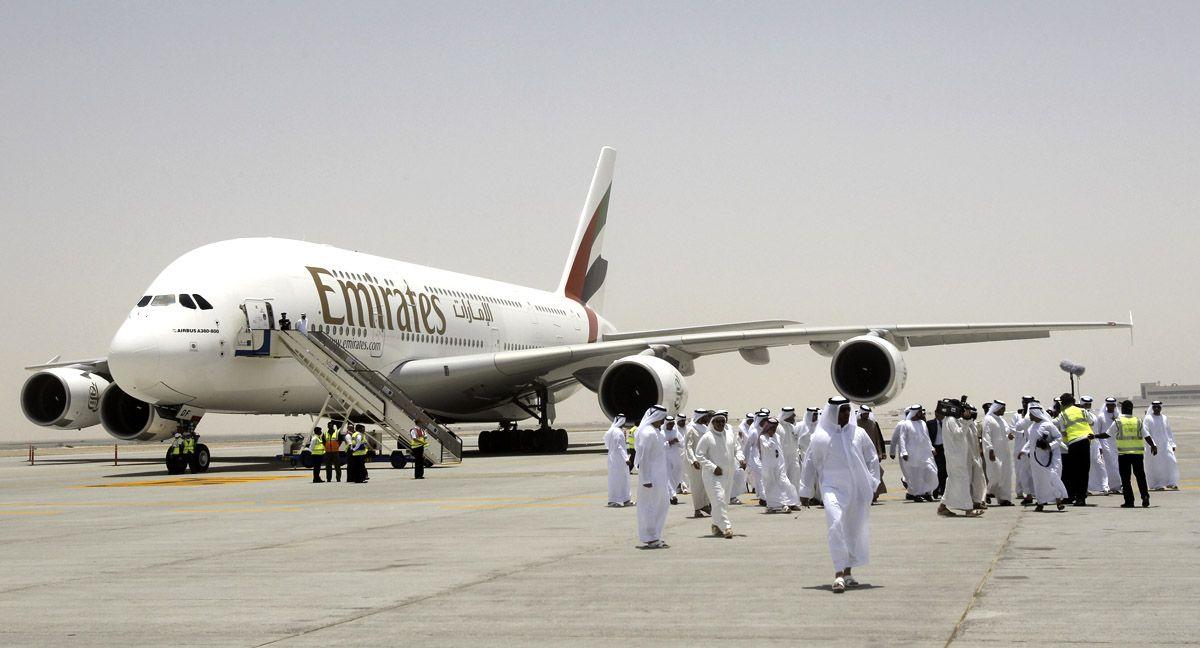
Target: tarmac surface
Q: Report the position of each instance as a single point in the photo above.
(521, 550)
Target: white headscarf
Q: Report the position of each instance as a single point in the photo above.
(1150, 408)
(786, 412)
(829, 417)
(653, 415)
(1036, 413)
(994, 408)
(618, 421)
(910, 414)
(867, 409)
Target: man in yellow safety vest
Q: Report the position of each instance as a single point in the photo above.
(333, 445)
(316, 448)
(1131, 440)
(417, 442)
(1076, 427)
(358, 455)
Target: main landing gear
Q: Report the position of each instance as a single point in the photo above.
(198, 461)
(509, 439)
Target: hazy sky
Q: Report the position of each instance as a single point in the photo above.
(830, 163)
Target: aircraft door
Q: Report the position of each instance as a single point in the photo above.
(494, 339)
(259, 315)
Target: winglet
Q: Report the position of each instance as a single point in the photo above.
(1131, 327)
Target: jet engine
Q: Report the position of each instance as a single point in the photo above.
(636, 383)
(868, 369)
(66, 398)
(130, 419)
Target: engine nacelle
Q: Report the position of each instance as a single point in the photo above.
(868, 369)
(634, 384)
(130, 419)
(66, 398)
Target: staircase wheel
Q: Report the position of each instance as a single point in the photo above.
(398, 460)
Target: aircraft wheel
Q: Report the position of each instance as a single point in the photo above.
(485, 442)
(528, 441)
(399, 461)
(562, 440)
(200, 460)
(306, 460)
(174, 464)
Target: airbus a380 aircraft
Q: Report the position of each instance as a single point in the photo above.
(463, 348)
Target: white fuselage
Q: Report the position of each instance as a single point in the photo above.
(386, 312)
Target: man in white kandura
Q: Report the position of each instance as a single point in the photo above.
(750, 448)
(779, 492)
(741, 478)
(1097, 472)
(719, 454)
(807, 427)
(618, 464)
(673, 435)
(1108, 443)
(789, 440)
(1162, 469)
(695, 431)
(1044, 448)
(1020, 424)
(959, 446)
(1000, 454)
(654, 499)
(842, 459)
(916, 455)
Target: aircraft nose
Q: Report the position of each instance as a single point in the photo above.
(133, 356)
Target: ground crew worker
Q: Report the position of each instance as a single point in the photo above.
(358, 456)
(1131, 436)
(333, 459)
(188, 451)
(316, 449)
(1076, 427)
(175, 462)
(629, 446)
(417, 435)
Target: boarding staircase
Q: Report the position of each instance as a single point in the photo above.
(366, 391)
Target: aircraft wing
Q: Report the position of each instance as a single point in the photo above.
(99, 365)
(493, 373)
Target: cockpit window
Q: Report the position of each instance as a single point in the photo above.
(202, 302)
(144, 301)
(187, 301)
(162, 300)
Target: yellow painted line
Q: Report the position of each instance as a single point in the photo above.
(244, 509)
(191, 481)
(30, 513)
(483, 507)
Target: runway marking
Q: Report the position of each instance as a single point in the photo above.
(241, 509)
(192, 481)
(30, 513)
(482, 507)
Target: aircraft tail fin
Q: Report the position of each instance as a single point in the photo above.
(586, 269)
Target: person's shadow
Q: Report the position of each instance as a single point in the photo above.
(829, 587)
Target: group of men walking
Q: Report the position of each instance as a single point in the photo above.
(827, 457)
(831, 458)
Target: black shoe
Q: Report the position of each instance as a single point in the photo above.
(674, 500)
(1127, 505)
(1145, 503)
(318, 481)
(909, 498)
